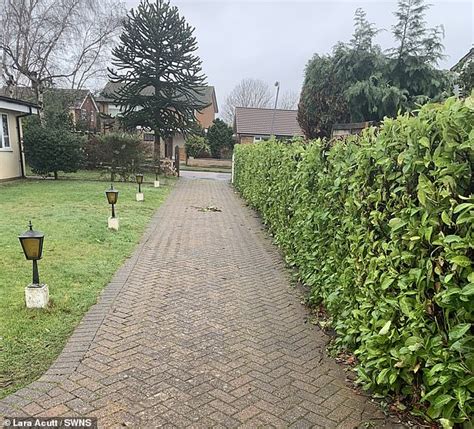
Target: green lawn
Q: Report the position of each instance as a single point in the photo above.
(80, 256)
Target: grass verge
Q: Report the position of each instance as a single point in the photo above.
(80, 256)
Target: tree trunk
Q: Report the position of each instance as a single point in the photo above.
(10, 89)
(38, 87)
(41, 103)
(55, 175)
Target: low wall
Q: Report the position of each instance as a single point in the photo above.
(209, 162)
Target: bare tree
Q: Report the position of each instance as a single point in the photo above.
(248, 93)
(92, 45)
(288, 101)
(45, 42)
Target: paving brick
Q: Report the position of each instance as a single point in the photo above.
(247, 413)
(199, 328)
(302, 424)
(293, 414)
(33, 409)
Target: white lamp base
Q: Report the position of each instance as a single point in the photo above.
(113, 223)
(157, 183)
(36, 296)
(140, 196)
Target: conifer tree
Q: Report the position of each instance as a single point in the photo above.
(159, 75)
(364, 32)
(358, 82)
(419, 49)
(413, 37)
(219, 136)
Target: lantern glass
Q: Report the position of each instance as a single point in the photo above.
(32, 244)
(139, 178)
(112, 196)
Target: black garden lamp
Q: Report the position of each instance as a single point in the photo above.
(112, 196)
(157, 171)
(32, 244)
(139, 178)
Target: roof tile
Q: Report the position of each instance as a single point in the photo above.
(258, 121)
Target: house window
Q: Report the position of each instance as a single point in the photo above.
(4, 134)
(257, 139)
(148, 137)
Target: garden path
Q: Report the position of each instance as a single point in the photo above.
(199, 328)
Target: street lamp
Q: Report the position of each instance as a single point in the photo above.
(139, 179)
(36, 294)
(277, 84)
(32, 244)
(112, 197)
(157, 181)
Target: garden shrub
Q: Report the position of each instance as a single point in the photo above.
(380, 227)
(219, 137)
(51, 148)
(123, 154)
(196, 145)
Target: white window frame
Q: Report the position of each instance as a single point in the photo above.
(257, 139)
(3, 146)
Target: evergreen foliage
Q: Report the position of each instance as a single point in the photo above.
(219, 137)
(364, 32)
(322, 102)
(380, 227)
(358, 82)
(160, 74)
(123, 154)
(196, 145)
(52, 146)
(412, 62)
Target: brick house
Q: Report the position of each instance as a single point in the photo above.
(252, 124)
(83, 109)
(109, 110)
(81, 104)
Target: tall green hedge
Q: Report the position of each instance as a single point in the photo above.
(380, 227)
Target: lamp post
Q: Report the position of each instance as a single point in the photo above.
(139, 179)
(112, 196)
(277, 84)
(36, 294)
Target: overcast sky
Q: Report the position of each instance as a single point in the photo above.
(273, 40)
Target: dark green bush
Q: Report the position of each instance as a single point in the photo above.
(380, 227)
(123, 154)
(219, 136)
(50, 148)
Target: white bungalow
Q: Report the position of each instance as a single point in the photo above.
(12, 163)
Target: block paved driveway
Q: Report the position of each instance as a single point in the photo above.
(199, 328)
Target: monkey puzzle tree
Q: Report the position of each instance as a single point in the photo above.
(160, 77)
